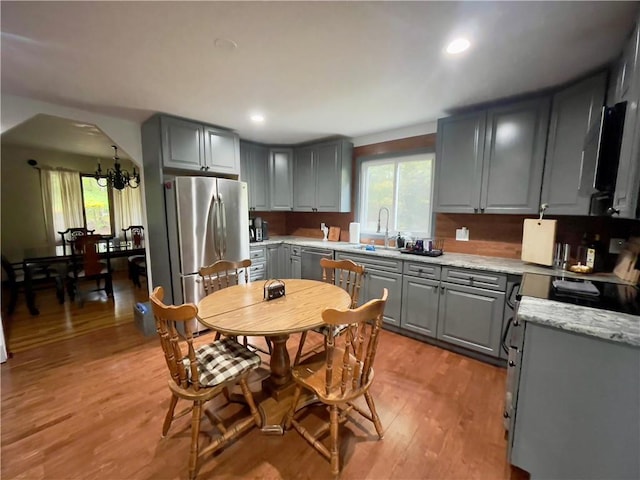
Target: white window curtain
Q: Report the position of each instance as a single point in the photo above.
(127, 209)
(62, 201)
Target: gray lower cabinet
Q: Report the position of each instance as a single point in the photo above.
(471, 317)
(380, 273)
(255, 171)
(296, 262)
(574, 110)
(285, 261)
(258, 269)
(420, 305)
(322, 177)
(281, 179)
(273, 261)
(491, 161)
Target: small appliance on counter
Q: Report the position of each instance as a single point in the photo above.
(256, 229)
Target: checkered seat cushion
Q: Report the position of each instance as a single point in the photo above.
(221, 361)
(325, 329)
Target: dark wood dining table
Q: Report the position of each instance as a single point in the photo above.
(58, 258)
(242, 310)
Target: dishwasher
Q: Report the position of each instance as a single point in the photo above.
(311, 269)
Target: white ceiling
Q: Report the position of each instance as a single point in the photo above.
(313, 68)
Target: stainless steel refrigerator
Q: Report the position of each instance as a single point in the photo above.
(211, 218)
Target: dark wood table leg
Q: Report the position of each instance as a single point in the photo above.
(28, 289)
(280, 363)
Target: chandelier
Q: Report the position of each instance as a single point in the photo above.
(116, 177)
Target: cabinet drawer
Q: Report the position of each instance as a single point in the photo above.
(378, 263)
(296, 250)
(258, 254)
(257, 271)
(422, 270)
(475, 278)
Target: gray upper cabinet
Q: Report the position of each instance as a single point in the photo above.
(192, 146)
(459, 153)
(573, 112)
(322, 177)
(514, 157)
(281, 179)
(491, 161)
(221, 151)
(182, 144)
(626, 200)
(255, 171)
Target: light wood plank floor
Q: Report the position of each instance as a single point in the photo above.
(85, 394)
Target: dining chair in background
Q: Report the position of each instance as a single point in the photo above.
(345, 274)
(198, 375)
(223, 274)
(70, 234)
(137, 264)
(343, 375)
(28, 277)
(89, 262)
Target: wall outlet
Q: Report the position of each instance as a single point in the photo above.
(616, 245)
(462, 234)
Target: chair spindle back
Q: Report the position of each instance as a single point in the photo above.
(344, 273)
(356, 348)
(168, 318)
(223, 274)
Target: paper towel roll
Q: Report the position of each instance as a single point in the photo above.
(354, 232)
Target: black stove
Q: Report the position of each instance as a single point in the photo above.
(603, 295)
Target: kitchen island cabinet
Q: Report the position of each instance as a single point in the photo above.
(576, 397)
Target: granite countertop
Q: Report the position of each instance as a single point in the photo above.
(613, 326)
(460, 260)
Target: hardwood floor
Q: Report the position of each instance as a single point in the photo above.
(79, 402)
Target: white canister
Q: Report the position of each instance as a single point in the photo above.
(354, 232)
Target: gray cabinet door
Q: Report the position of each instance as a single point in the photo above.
(182, 144)
(374, 282)
(515, 142)
(296, 266)
(328, 181)
(471, 317)
(420, 305)
(221, 151)
(459, 157)
(285, 261)
(281, 179)
(273, 261)
(255, 171)
(573, 112)
(304, 185)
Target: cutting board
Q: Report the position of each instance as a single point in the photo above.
(334, 234)
(538, 240)
(626, 266)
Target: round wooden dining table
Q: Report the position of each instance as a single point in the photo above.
(242, 310)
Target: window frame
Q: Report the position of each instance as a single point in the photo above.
(395, 157)
(112, 221)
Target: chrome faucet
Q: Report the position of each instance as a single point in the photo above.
(386, 230)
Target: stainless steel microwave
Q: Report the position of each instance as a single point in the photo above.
(600, 158)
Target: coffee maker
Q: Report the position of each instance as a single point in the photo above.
(255, 229)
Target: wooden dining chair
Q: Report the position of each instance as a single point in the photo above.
(223, 274)
(343, 375)
(137, 264)
(199, 375)
(70, 234)
(345, 274)
(89, 263)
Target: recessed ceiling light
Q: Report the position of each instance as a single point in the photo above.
(257, 118)
(459, 45)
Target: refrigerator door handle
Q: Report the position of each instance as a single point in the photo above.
(223, 218)
(212, 231)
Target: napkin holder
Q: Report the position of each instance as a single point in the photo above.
(273, 289)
